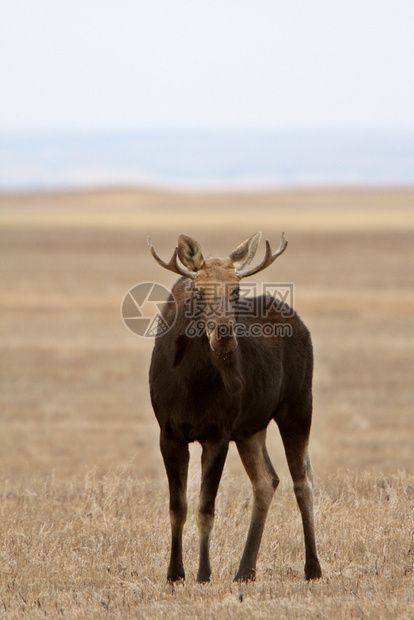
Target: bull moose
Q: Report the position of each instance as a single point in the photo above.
(224, 384)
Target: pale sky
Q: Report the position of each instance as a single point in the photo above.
(228, 64)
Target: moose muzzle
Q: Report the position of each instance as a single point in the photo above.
(221, 336)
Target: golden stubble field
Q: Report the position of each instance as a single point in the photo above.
(83, 495)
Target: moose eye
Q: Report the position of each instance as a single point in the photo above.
(234, 295)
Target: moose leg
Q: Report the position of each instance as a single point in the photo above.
(264, 479)
(297, 454)
(176, 457)
(212, 463)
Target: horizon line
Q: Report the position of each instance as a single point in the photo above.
(204, 130)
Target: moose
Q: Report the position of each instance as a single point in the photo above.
(225, 383)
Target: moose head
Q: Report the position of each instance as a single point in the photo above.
(215, 283)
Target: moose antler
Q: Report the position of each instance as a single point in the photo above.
(268, 259)
(173, 264)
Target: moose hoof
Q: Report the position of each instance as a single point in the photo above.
(174, 576)
(203, 577)
(246, 575)
(313, 571)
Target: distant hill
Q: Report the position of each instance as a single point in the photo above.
(197, 160)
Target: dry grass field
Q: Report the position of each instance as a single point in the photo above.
(84, 527)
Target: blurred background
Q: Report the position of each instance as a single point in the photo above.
(206, 95)
(120, 120)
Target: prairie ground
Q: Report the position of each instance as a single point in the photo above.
(84, 500)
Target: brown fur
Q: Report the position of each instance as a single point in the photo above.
(215, 390)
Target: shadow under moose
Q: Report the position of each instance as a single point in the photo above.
(226, 382)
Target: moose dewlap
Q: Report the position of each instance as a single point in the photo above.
(225, 383)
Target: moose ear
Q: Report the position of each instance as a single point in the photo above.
(244, 253)
(189, 253)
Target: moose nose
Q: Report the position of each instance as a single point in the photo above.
(222, 338)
